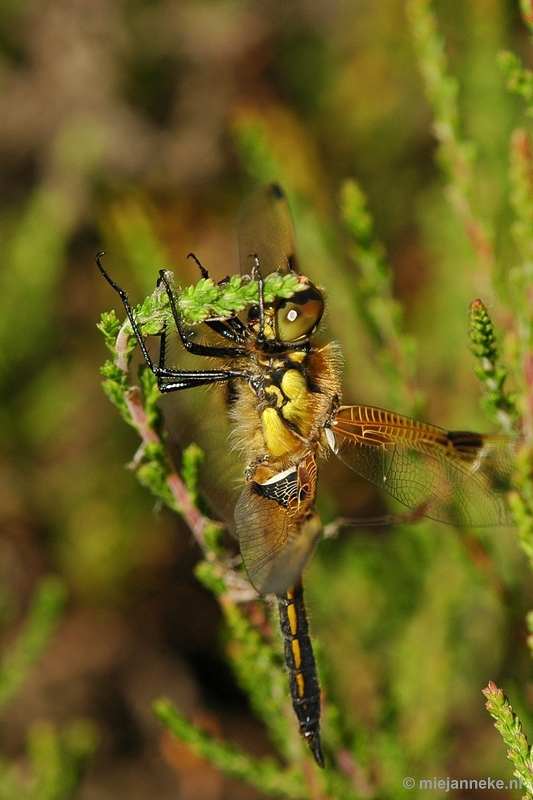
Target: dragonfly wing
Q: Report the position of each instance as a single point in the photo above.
(264, 229)
(278, 526)
(451, 476)
(201, 416)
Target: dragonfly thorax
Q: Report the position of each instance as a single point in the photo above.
(280, 412)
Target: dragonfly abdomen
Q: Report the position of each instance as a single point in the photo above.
(301, 666)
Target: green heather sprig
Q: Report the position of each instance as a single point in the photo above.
(203, 300)
(45, 612)
(257, 664)
(526, 10)
(519, 79)
(55, 763)
(521, 196)
(502, 407)
(264, 774)
(56, 760)
(510, 728)
(379, 311)
(382, 313)
(456, 155)
(208, 300)
(255, 146)
(499, 404)
(521, 277)
(521, 499)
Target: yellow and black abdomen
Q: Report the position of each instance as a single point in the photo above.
(301, 666)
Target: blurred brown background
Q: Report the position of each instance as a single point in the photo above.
(112, 106)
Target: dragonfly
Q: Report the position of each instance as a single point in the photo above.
(286, 413)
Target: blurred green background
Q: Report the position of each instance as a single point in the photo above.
(113, 111)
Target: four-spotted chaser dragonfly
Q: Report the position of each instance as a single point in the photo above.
(286, 411)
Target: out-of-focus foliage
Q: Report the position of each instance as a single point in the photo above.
(137, 128)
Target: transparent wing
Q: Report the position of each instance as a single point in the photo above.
(451, 476)
(264, 228)
(278, 527)
(200, 415)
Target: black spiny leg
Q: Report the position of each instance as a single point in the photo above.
(171, 380)
(129, 311)
(205, 273)
(196, 348)
(231, 328)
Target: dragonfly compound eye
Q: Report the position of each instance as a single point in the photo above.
(299, 316)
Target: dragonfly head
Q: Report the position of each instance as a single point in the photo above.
(300, 315)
